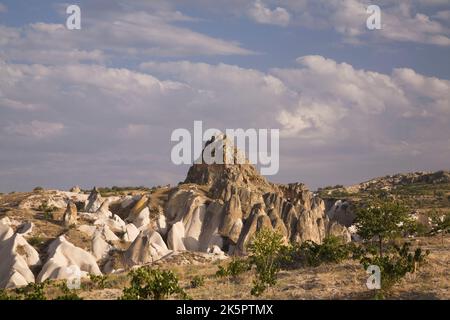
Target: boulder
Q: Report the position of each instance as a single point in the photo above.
(148, 247)
(131, 232)
(63, 256)
(70, 215)
(175, 237)
(75, 189)
(94, 201)
(25, 228)
(16, 256)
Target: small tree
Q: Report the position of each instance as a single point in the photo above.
(266, 254)
(147, 283)
(382, 220)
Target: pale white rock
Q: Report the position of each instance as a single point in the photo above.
(161, 225)
(6, 232)
(175, 237)
(142, 219)
(94, 201)
(62, 257)
(115, 223)
(131, 232)
(148, 247)
(100, 248)
(88, 230)
(17, 256)
(5, 220)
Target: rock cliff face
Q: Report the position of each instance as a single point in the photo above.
(226, 204)
(216, 211)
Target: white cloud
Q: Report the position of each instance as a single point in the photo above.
(262, 14)
(327, 111)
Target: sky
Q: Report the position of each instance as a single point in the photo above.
(97, 106)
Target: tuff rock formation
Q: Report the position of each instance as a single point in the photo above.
(70, 215)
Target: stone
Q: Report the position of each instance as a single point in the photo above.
(75, 189)
(63, 256)
(94, 201)
(148, 247)
(131, 232)
(16, 256)
(70, 215)
(25, 228)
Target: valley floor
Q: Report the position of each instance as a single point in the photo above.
(343, 281)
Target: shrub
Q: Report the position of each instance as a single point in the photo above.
(4, 295)
(33, 291)
(332, 250)
(394, 265)
(38, 189)
(67, 293)
(147, 283)
(100, 281)
(236, 267)
(266, 251)
(197, 281)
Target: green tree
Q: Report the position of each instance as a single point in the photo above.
(147, 283)
(382, 220)
(266, 253)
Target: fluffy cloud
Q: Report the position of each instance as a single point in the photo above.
(131, 33)
(261, 14)
(121, 119)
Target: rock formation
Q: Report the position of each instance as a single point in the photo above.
(62, 257)
(17, 257)
(94, 201)
(70, 215)
(148, 247)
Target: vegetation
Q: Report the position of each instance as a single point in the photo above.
(68, 294)
(266, 254)
(100, 281)
(47, 210)
(394, 265)
(147, 283)
(197, 281)
(382, 220)
(236, 267)
(309, 253)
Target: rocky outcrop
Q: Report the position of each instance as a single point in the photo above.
(17, 257)
(94, 201)
(63, 258)
(148, 247)
(70, 215)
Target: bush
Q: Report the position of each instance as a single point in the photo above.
(197, 281)
(67, 293)
(236, 267)
(4, 295)
(38, 189)
(266, 253)
(332, 250)
(100, 281)
(33, 291)
(147, 283)
(395, 265)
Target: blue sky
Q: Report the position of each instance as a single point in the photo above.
(96, 106)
